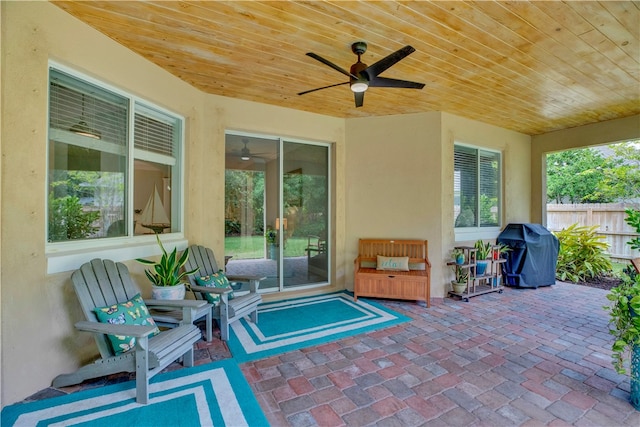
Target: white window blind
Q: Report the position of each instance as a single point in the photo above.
(156, 136)
(476, 187)
(75, 105)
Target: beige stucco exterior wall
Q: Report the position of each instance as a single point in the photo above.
(516, 180)
(39, 310)
(609, 132)
(393, 182)
(399, 181)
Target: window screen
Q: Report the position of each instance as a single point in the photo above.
(476, 186)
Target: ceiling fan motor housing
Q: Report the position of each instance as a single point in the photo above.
(359, 48)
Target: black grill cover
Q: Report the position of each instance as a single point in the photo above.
(531, 262)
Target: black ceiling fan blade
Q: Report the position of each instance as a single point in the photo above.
(374, 70)
(324, 87)
(359, 97)
(331, 64)
(385, 82)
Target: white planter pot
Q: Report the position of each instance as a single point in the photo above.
(458, 287)
(168, 292)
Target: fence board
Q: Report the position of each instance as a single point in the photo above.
(608, 217)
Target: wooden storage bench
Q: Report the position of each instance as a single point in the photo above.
(370, 281)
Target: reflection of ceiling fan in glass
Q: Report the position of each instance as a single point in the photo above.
(246, 154)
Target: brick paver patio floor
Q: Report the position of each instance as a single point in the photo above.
(525, 357)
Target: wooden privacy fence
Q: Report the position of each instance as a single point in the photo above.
(609, 217)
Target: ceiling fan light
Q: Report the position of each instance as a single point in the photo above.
(245, 158)
(359, 86)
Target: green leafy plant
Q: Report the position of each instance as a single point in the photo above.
(633, 219)
(582, 254)
(166, 272)
(68, 220)
(462, 274)
(271, 235)
(458, 255)
(624, 310)
(483, 250)
(499, 250)
(624, 321)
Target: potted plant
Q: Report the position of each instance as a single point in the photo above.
(500, 249)
(167, 281)
(459, 285)
(458, 256)
(624, 325)
(483, 252)
(624, 320)
(272, 238)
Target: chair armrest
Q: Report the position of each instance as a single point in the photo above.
(138, 331)
(254, 281)
(211, 289)
(183, 303)
(237, 278)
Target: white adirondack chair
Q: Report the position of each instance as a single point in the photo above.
(227, 311)
(100, 283)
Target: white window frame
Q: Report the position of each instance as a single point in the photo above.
(466, 234)
(67, 256)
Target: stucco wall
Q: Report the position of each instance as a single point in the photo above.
(399, 181)
(516, 178)
(38, 310)
(393, 182)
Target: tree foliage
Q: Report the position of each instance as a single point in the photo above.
(622, 182)
(304, 196)
(633, 219)
(68, 220)
(587, 176)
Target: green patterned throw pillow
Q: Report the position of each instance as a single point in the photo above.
(218, 280)
(132, 312)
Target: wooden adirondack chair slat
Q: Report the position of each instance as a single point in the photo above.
(100, 283)
(227, 311)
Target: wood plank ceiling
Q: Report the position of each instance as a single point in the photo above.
(529, 66)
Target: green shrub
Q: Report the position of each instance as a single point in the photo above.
(624, 310)
(69, 221)
(633, 219)
(582, 254)
(624, 324)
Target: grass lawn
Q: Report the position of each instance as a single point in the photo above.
(254, 247)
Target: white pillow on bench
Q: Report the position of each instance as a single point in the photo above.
(398, 263)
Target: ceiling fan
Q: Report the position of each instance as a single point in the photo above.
(245, 153)
(361, 76)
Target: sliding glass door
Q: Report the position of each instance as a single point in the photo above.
(277, 211)
(305, 208)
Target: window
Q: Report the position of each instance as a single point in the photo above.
(113, 167)
(476, 188)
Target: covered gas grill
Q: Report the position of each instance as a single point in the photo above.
(531, 262)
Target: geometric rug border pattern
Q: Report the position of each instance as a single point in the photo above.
(213, 394)
(298, 323)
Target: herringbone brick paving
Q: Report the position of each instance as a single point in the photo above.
(526, 357)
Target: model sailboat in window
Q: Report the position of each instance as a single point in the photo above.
(154, 217)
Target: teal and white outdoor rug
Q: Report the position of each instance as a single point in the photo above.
(304, 322)
(212, 394)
